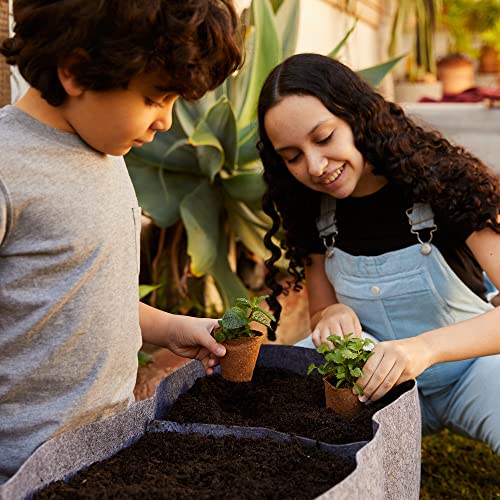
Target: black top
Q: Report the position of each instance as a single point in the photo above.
(377, 223)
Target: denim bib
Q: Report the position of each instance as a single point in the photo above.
(402, 293)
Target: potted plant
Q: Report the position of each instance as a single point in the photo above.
(416, 21)
(474, 26)
(241, 342)
(343, 366)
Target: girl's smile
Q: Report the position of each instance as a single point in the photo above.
(318, 148)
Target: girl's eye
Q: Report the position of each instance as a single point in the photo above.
(150, 102)
(326, 139)
(294, 159)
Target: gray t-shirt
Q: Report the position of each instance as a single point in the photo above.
(69, 264)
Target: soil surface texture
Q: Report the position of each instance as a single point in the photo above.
(276, 399)
(181, 466)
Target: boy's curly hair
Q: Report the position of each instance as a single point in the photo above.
(196, 44)
(424, 164)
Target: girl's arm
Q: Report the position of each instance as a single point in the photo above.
(400, 360)
(328, 317)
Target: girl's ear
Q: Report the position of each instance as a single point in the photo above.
(66, 75)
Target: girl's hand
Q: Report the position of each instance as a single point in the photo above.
(191, 338)
(392, 363)
(337, 319)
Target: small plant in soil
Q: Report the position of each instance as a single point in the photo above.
(344, 362)
(235, 322)
(241, 342)
(343, 366)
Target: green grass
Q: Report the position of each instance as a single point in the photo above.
(455, 467)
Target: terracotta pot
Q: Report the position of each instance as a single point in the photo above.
(241, 355)
(342, 401)
(488, 60)
(456, 71)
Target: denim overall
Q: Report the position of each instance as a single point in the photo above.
(406, 292)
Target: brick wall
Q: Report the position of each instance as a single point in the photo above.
(4, 68)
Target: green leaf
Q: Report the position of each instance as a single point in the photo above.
(234, 318)
(160, 193)
(187, 115)
(348, 354)
(238, 84)
(222, 122)
(358, 389)
(261, 318)
(200, 212)
(246, 186)
(229, 285)
(375, 74)
(145, 290)
(311, 368)
(209, 150)
(322, 348)
(219, 335)
(276, 4)
(248, 138)
(342, 42)
(243, 303)
(356, 372)
(144, 359)
(287, 23)
(267, 54)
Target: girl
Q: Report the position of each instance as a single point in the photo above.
(392, 227)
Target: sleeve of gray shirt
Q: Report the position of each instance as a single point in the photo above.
(4, 212)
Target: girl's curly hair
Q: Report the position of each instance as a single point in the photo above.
(423, 163)
(196, 44)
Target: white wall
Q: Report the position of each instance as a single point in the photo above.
(322, 27)
(18, 85)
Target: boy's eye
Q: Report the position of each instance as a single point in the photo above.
(150, 102)
(326, 139)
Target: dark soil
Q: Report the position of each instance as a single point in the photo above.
(179, 466)
(277, 399)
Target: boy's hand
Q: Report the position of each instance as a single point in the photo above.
(191, 338)
(184, 335)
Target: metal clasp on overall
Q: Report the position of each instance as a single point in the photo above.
(417, 224)
(329, 245)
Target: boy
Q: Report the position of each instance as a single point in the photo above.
(104, 76)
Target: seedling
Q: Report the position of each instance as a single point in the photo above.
(344, 362)
(235, 322)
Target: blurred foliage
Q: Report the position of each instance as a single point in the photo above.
(201, 182)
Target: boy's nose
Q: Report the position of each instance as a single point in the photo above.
(163, 121)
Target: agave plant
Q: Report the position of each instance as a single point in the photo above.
(206, 171)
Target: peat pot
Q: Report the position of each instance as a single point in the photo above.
(386, 466)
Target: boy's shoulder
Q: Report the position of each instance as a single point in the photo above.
(20, 132)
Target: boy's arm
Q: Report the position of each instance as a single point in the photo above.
(184, 335)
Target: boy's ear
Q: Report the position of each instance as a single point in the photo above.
(66, 74)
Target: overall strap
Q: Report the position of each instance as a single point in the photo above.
(326, 223)
(420, 217)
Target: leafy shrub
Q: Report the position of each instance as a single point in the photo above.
(344, 362)
(235, 322)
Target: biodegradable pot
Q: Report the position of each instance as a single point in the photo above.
(241, 355)
(342, 401)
